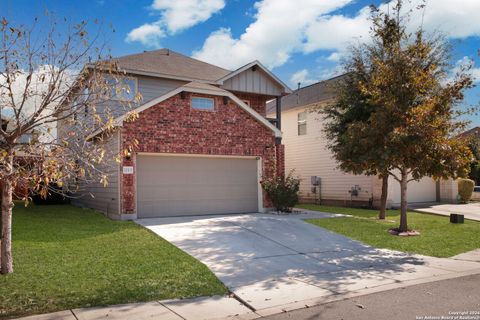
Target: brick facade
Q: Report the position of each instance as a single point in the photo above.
(257, 102)
(172, 126)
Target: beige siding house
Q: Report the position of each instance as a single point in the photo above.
(307, 154)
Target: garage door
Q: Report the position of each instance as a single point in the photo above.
(424, 190)
(175, 186)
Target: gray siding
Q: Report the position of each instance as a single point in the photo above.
(253, 81)
(151, 87)
(105, 199)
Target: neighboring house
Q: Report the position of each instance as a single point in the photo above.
(471, 133)
(204, 142)
(306, 152)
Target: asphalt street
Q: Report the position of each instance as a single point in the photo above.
(457, 298)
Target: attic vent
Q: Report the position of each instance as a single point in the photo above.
(254, 68)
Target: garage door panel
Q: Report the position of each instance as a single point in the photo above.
(171, 186)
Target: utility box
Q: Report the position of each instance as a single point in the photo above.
(456, 218)
(355, 190)
(315, 180)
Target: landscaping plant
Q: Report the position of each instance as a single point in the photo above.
(465, 189)
(282, 191)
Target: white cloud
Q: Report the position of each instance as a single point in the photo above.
(178, 15)
(284, 27)
(33, 97)
(337, 32)
(468, 65)
(335, 57)
(148, 34)
(302, 77)
(458, 19)
(175, 16)
(277, 32)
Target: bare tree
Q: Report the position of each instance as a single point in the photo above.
(50, 73)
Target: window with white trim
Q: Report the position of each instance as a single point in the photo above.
(302, 123)
(201, 103)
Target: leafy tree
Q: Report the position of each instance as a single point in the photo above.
(401, 117)
(474, 145)
(357, 150)
(43, 80)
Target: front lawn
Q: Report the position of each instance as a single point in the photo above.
(439, 237)
(66, 257)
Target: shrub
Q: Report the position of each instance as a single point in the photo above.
(465, 189)
(282, 191)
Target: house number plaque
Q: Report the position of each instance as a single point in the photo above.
(127, 170)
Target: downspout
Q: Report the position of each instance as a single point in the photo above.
(279, 112)
(279, 148)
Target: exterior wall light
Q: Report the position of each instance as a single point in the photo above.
(128, 154)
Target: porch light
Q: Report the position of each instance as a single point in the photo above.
(128, 154)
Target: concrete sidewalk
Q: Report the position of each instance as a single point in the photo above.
(471, 210)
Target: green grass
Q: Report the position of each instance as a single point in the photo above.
(66, 257)
(439, 237)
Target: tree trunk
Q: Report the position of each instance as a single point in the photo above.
(6, 259)
(403, 202)
(383, 199)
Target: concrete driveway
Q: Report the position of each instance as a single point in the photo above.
(469, 210)
(271, 262)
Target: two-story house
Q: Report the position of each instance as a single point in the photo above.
(204, 142)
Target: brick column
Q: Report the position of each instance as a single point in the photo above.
(280, 159)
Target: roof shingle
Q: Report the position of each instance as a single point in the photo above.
(171, 63)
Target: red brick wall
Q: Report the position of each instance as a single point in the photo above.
(258, 102)
(172, 126)
(280, 159)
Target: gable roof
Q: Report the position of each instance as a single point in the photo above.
(201, 88)
(166, 63)
(257, 63)
(314, 93)
(171, 64)
(471, 133)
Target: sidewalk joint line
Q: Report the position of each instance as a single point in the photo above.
(73, 313)
(166, 307)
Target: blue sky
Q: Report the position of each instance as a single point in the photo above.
(300, 40)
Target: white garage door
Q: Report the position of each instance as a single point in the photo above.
(424, 190)
(181, 185)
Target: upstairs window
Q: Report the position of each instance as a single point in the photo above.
(302, 123)
(203, 103)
